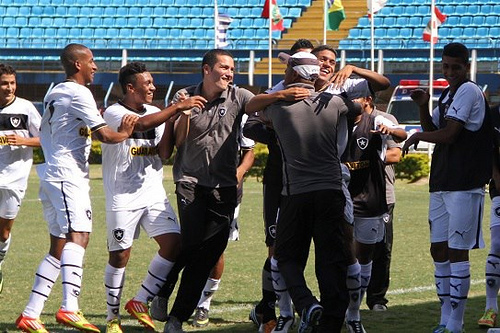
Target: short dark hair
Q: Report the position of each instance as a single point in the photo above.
(210, 58)
(128, 72)
(301, 43)
(70, 55)
(6, 69)
(324, 47)
(457, 50)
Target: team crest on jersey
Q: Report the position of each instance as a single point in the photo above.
(15, 121)
(497, 211)
(272, 231)
(118, 234)
(362, 143)
(222, 112)
(89, 214)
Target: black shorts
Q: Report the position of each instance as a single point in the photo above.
(272, 199)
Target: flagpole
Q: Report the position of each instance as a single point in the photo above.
(216, 23)
(372, 36)
(269, 53)
(431, 55)
(325, 17)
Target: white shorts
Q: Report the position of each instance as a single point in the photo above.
(10, 202)
(455, 217)
(495, 212)
(370, 230)
(124, 225)
(66, 206)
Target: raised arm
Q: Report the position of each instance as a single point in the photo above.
(261, 101)
(377, 81)
(107, 135)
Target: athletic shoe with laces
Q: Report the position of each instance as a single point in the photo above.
(75, 319)
(158, 308)
(489, 319)
(309, 321)
(114, 326)
(255, 317)
(140, 311)
(173, 325)
(30, 325)
(379, 307)
(268, 326)
(355, 326)
(284, 324)
(200, 318)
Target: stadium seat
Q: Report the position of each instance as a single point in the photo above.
(465, 20)
(456, 32)
(120, 22)
(364, 22)
(388, 22)
(478, 20)
(491, 20)
(95, 21)
(473, 9)
(402, 21)
(452, 21)
(24, 32)
(122, 11)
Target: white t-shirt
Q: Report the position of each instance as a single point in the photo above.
(70, 116)
(467, 107)
(20, 117)
(132, 169)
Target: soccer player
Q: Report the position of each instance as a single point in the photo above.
(489, 318)
(132, 178)
(365, 158)
(19, 127)
(312, 205)
(70, 118)
(205, 173)
(461, 166)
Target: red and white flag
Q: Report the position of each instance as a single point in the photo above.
(437, 19)
(276, 17)
(377, 5)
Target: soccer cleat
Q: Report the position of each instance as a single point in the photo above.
(309, 321)
(267, 327)
(30, 325)
(140, 311)
(354, 326)
(114, 326)
(439, 328)
(488, 320)
(255, 317)
(75, 319)
(173, 325)
(283, 324)
(158, 308)
(200, 317)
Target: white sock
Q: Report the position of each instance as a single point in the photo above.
(208, 292)
(155, 279)
(366, 275)
(459, 289)
(71, 272)
(492, 281)
(282, 295)
(4, 247)
(114, 279)
(45, 277)
(442, 272)
(354, 287)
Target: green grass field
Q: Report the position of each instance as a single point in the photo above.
(413, 305)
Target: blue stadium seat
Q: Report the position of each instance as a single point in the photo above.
(469, 32)
(137, 32)
(122, 11)
(47, 21)
(159, 11)
(62, 32)
(169, 22)
(85, 11)
(380, 32)
(125, 33)
(150, 33)
(112, 33)
(134, 11)
(478, 20)
(415, 21)
(491, 20)
(363, 22)
(9, 21)
(184, 22)
(24, 32)
(61, 10)
(83, 21)
(120, 22)
(460, 10)
(95, 21)
(465, 20)
(184, 11)
(196, 22)
(494, 32)
(49, 11)
(473, 9)
(73, 11)
(209, 12)
(12, 11)
(208, 22)
(456, 32)
(132, 21)
(396, 11)
(452, 21)
(146, 21)
(402, 21)
(393, 33)
(423, 10)
(146, 11)
(59, 21)
(388, 22)
(405, 32)
(295, 12)
(37, 32)
(108, 11)
(365, 33)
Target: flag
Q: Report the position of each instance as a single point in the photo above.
(377, 5)
(437, 19)
(336, 14)
(222, 25)
(276, 17)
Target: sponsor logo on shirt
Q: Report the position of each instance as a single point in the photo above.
(143, 151)
(84, 131)
(3, 141)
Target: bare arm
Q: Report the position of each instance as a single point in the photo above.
(421, 97)
(181, 128)
(444, 135)
(377, 81)
(246, 163)
(166, 144)
(16, 140)
(261, 101)
(398, 134)
(107, 135)
(153, 120)
(392, 155)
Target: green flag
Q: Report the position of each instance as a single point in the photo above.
(336, 14)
